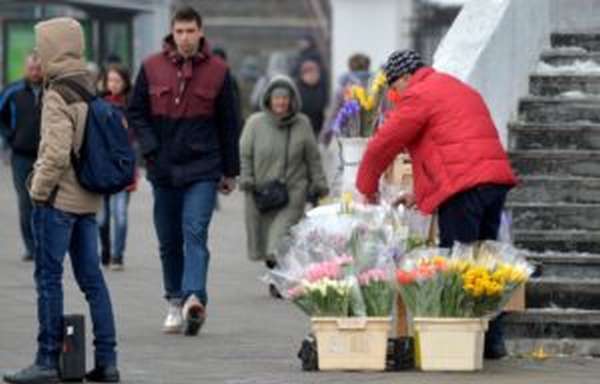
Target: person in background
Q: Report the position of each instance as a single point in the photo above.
(313, 93)
(307, 51)
(20, 112)
(278, 143)
(358, 74)
(461, 171)
(117, 85)
(218, 51)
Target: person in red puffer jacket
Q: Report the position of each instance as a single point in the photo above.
(460, 168)
(117, 84)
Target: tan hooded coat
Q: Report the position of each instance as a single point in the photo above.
(262, 157)
(60, 46)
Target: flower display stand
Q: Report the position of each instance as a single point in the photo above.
(451, 344)
(355, 344)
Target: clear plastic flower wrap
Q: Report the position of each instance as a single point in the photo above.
(471, 281)
(321, 283)
(419, 230)
(329, 254)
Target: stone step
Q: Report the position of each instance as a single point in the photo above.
(569, 57)
(554, 136)
(560, 332)
(549, 292)
(588, 41)
(523, 348)
(565, 83)
(545, 109)
(540, 216)
(554, 322)
(557, 240)
(566, 265)
(558, 163)
(549, 189)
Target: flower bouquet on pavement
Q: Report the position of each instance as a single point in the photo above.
(378, 291)
(471, 281)
(453, 295)
(326, 289)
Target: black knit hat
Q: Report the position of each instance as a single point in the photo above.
(401, 63)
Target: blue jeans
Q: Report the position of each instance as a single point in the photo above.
(21, 168)
(181, 218)
(56, 233)
(117, 211)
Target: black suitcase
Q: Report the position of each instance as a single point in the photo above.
(72, 357)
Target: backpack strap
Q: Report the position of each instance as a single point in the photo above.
(71, 91)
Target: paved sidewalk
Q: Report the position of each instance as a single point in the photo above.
(248, 338)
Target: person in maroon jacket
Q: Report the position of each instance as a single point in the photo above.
(459, 165)
(184, 114)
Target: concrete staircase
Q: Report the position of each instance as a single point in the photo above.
(555, 148)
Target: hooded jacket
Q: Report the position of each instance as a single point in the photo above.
(60, 47)
(184, 115)
(263, 155)
(450, 135)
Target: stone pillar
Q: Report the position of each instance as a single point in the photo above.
(149, 29)
(375, 27)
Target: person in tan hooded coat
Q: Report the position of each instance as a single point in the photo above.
(63, 217)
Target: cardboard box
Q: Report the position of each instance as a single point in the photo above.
(517, 302)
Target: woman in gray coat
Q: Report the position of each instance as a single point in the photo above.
(265, 138)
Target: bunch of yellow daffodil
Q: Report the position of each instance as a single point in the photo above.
(470, 283)
(369, 100)
(478, 281)
(510, 274)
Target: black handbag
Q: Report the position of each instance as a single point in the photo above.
(273, 194)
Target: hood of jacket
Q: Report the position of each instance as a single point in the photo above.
(60, 46)
(295, 99)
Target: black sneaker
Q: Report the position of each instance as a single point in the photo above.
(34, 374)
(494, 347)
(109, 374)
(274, 292)
(494, 351)
(105, 259)
(27, 257)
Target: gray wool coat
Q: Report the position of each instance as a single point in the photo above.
(262, 152)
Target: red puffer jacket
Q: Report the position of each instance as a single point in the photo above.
(448, 131)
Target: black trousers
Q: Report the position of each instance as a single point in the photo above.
(471, 216)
